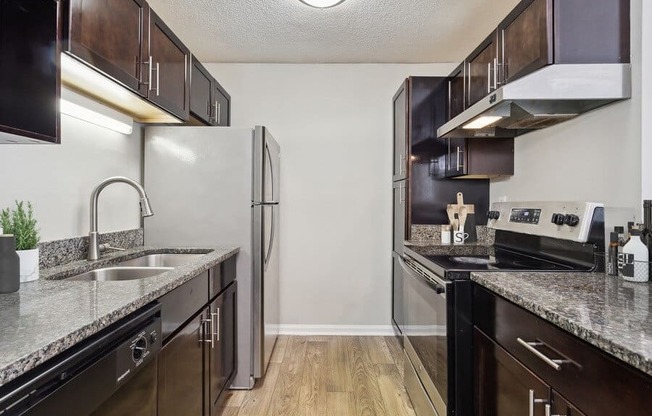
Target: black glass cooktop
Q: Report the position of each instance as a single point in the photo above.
(502, 260)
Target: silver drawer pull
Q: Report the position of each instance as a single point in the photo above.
(556, 364)
(549, 410)
(209, 337)
(533, 401)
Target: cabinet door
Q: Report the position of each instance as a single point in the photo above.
(400, 215)
(180, 372)
(170, 78)
(398, 314)
(29, 68)
(457, 157)
(221, 106)
(200, 92)
(222, 350)
(481, 70)
(526, 39)
(111, 36)
(502, 385)
(401, 132)
(561, 407)
(456, 91)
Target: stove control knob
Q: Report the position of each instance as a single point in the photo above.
(139, 349)
(571, 220)
(493, 215)
(558, 219)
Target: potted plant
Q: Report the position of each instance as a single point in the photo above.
(21, 223)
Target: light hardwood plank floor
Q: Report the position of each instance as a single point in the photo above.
(330, 376)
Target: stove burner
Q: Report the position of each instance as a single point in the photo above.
(472, 260)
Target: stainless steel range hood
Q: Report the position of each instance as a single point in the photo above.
(549, 96)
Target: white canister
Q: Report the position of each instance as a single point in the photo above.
(459, 237)
(445, 234)
(635, 258)
(29, 266)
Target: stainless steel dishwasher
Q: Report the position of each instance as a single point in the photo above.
(111, 373)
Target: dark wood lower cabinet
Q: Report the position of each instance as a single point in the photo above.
(180, 374)
(503, 385)
(220, 354)
(509, 345)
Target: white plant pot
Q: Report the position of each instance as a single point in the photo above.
(28, 265)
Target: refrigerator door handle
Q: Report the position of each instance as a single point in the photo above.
(271, 171)
(272, 237)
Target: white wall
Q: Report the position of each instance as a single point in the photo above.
(334, 125)
(58, 179)
(595, 157)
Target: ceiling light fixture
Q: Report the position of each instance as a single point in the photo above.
(322, 4)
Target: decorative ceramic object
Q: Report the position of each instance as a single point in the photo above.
(29, 269)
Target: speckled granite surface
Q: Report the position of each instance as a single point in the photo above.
(53, 253)
(426, 240)
(430, 249)
(47, 316)
(607, 312)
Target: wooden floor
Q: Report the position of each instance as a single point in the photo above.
(335, 376)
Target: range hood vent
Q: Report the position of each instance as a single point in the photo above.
(549, 96)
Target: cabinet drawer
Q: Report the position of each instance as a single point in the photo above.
(221, 276)
(597, 383)
(182, 303)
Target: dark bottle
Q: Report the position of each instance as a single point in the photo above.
(646, 234)
(9, 265)
(612, 259)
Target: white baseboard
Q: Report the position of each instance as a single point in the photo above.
(355, 330)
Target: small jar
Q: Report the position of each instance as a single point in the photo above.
(9, 265)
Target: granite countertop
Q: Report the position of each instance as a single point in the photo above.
(430, 248)
(48, 316)
(607, 312)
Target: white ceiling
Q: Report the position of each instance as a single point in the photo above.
(357, 31)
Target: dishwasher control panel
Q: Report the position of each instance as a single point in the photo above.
(137, 350)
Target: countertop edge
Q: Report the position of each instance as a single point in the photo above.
(609, 346)
(41, 354)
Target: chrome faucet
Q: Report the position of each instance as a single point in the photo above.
(145, 211)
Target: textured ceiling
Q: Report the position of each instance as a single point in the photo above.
(357, 31)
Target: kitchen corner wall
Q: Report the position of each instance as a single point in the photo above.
(58, 179)
(334, 125)
(596, 157)
(646, 108)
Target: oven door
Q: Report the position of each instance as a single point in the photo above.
(426, 329)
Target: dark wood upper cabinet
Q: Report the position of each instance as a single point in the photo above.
(221, 105)
(30, 41)
(110, 35)
(400, 104)
(169, 65)
(481, 70)
(210, 104)
(526, 39)
(200, 93)
(480, 158)
(456, 92)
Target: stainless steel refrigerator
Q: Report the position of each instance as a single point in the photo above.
(219, 186)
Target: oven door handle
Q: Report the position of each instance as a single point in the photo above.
(438, 285)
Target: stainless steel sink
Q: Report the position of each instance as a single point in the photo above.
(160, 260)
(116, 273)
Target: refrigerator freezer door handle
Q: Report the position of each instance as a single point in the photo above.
(272, 237)
(271, 171)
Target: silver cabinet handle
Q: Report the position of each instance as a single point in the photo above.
(495, 73)
(217, 119)
(209, 337)
(488, 77)
(549, 411)
(459, 158)
(215, 317)
(150, 69)
(158, 80)
(556, 364)
(533, 401)
(402, 168)
(402, 192)
(219, 113)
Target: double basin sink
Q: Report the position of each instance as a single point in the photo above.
(138, 268)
